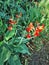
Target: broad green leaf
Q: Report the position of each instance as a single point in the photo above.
(9, 34)
(17, 40)
(4, 55)
(22, 49)
(14, 60)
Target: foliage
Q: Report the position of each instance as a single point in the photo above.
(21, 21)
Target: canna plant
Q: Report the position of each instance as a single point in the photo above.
(21, 22)
(12, 44)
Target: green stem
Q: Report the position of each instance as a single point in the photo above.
(26, 61)
(20, 41)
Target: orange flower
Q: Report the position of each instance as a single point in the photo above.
(12, 22)
(40, 28)
(10, 28)
(28, 36)
(31, 26)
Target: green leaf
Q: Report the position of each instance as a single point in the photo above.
(1, 43)
(23, 40)
(3, 28)
(4, 55)
(14, 60)
(1, 23)
(8, 54)
(9, 34)
(22, 49)
(17, 40)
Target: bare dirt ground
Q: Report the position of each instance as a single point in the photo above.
(41, 57)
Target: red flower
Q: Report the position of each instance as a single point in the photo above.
(10, 28)
(12, 22)
(43, 25)
(36, 33)
(40, 30)
(28, 36)
(28, 29)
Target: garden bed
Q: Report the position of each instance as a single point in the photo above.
(24, 32)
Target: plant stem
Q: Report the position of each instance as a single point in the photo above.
(26, 61)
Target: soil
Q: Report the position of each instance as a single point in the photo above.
(41, 57)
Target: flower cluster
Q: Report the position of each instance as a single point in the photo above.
(36, 32)
(11, 22)
(29, 29)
